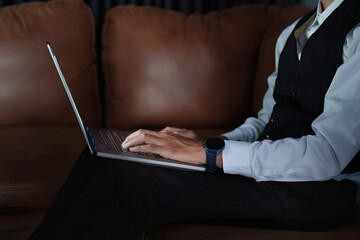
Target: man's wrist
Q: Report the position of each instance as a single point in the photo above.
(219, 161)
(223, 137)
(213, 148)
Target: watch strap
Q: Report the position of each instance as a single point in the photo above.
(211, 161)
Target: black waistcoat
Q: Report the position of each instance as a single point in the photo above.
(301, 86)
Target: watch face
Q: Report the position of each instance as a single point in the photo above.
(214, 143)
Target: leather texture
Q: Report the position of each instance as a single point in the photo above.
(161, 68)
(34, 162)
(19, 225)
(30, 89)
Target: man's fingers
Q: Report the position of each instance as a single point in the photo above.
(138, 133)
(181, 132)
(173, 129)
(135, 134)
(139, 137)
(147, 148)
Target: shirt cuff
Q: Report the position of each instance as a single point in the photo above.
(237, 134)
(236, 158)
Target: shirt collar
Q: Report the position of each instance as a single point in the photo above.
(322, 15)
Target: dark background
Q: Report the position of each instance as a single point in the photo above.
(100, 7)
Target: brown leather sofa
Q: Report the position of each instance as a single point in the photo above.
(160, 68)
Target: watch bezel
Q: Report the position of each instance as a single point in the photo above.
(214, 144)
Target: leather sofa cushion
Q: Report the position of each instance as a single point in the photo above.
(165, 68)
(35, 160)
(19, 225)
(30, 89)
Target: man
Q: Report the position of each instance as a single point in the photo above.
(283, 169)
(167, 145)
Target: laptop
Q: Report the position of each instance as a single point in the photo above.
(106, 143)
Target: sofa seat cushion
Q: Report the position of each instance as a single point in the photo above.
(19, 225)
(30, 89)
(35, 161)
(162, 67)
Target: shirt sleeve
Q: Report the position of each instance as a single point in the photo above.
(309, 158)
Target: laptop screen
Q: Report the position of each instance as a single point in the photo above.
(67, 90)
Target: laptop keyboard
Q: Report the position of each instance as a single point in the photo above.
(113, 139)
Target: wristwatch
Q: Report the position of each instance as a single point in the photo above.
(213, 147)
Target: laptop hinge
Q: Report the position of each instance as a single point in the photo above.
(91, 139)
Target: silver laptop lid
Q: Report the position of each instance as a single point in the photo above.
(69, 95)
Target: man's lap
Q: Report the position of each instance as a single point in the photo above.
(217, 198)
(147, 197)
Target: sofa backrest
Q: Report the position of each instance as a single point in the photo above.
(161, 67)
(30, 89)
(165, 68)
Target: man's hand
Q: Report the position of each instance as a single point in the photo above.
(182, 132)
(172, 143)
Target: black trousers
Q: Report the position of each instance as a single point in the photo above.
(111, 199)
